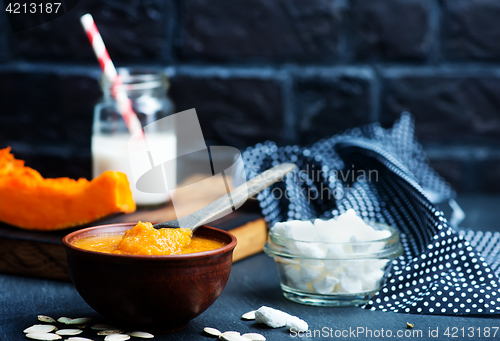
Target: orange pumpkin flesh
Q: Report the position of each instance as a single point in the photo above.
(29, 201)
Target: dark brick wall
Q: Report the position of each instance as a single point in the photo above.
(471, 30)
(292, 71)
(331, 99)
(450, 106)
(391, 29)
(133, 31)
(239, 111)
(264, 30)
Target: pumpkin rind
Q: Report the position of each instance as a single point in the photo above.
(29, 201)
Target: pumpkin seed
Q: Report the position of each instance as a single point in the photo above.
(77, 338)
(143, 335)
(39, 328)
(233, 337)
(69, 331)
(47, 319)
(43, 336)
(117, 337)
(229, 334)
(249, 316)
(255, 336)
(212, 331)
(64, 320)
(102, 327)
(110, 331)
(80, 320)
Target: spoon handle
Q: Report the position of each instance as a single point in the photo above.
(238, 197)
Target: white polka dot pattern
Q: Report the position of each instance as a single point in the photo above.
(441, 271)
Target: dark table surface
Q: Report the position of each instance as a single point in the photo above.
(252, 284)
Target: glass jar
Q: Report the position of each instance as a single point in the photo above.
(147, 91)
(344, 274)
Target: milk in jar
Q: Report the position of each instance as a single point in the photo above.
(147, 92)
(110, 152)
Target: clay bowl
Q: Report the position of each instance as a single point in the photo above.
(160, 293)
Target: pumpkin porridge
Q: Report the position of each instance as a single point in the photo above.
(144, 239)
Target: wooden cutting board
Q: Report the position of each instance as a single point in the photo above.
(41, 254)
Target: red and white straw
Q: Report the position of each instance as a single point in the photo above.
(109, 70)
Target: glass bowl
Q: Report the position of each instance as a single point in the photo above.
(333, 274)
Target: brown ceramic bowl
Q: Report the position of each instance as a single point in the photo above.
(153, 292)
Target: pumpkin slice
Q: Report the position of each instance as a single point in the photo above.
(29, 201)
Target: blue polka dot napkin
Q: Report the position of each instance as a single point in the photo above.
(384, 175)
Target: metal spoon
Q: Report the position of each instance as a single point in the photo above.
(238, 196)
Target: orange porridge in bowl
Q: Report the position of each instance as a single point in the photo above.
(144, 239)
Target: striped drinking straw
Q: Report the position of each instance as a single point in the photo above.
(123, 102)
